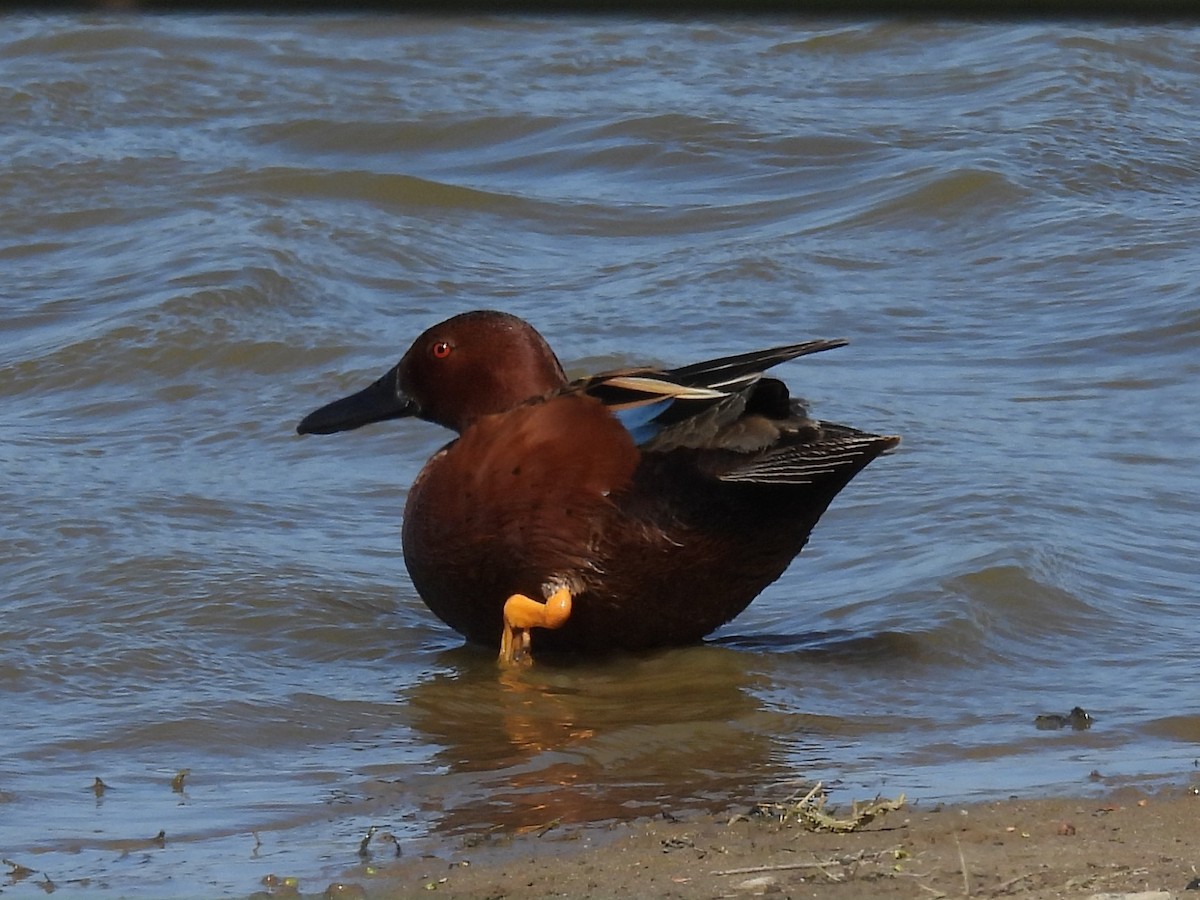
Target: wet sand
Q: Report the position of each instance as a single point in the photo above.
(1125, 843)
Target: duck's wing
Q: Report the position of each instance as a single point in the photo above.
(687, 406)
(649, 402)
(820, 451)
(733, 372)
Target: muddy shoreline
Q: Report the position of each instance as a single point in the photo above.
(1126, 842)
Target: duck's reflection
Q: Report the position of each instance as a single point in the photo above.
(584, 742)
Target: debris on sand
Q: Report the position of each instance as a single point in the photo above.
(809, 811)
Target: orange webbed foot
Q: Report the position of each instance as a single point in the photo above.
(522, 613)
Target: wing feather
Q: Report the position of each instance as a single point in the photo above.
(809, 462)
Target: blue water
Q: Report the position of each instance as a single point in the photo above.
(211, 225)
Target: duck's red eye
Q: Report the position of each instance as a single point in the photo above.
(440, 350)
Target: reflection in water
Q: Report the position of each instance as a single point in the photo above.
(577, 741)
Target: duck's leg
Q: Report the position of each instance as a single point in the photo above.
(522, 613)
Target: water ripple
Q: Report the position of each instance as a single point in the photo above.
(209, 225)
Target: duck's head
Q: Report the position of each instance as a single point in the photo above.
(474, 364)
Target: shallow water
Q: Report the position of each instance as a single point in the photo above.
(209, 226)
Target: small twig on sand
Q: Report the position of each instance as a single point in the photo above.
(963, 861)
(847, 860)
(781, 867)
(1005, 885)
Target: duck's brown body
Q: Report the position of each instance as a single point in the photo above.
(658, 553)
(664, 502)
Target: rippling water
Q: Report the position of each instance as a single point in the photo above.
(209, 226)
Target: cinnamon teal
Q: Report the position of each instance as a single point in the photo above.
(633, 509)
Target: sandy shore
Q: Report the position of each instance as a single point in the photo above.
(1126, 843)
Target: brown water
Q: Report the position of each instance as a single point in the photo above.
(209, 226)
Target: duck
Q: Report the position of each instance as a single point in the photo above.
(633, 509)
